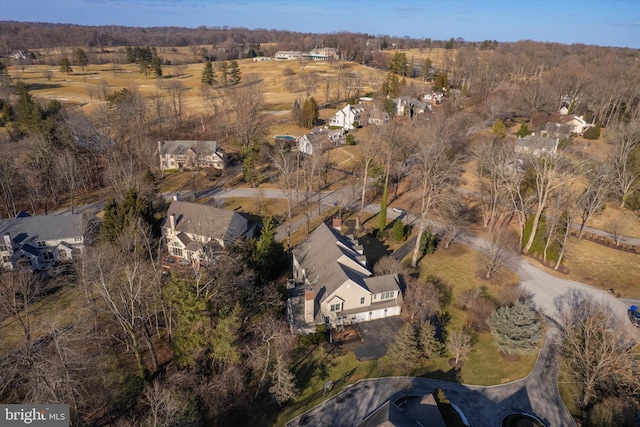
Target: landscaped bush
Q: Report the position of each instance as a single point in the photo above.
(428, 243)
(592, 133)
(399, 231)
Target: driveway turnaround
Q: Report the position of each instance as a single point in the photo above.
(536, 394)
(376, 334)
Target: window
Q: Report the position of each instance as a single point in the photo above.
(177, 251)
(42, 244)
(3, 248)
(6, 259)
(62, 254)
(335, 307)
(47, 256)
(361, 300)
(77, 239)
(387, 295)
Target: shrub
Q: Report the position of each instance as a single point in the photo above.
(592, 133)
(351, 140)
(499, 128)
(516, 329)
(399, 231)
(428, 242)
(523, 131)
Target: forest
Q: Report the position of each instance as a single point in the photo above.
(127, 343)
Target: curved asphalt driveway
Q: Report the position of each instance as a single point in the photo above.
(482, 406)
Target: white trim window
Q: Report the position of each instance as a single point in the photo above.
(335, 307)
(387, 295)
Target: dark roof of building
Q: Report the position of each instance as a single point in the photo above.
(25, 229)
(204, 220)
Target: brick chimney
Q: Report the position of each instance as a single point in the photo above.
(309, 306)
(337, 223)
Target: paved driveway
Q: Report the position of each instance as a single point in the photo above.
(376, 334)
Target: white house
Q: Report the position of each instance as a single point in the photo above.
(192, 230)
(335, 286)
(348, 117)
(38, 242)
(288, 55)
(182, 154)
(321, 54)
(320, 139)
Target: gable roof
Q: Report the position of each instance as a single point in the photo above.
(204, 220)
(330, 259)
(25, 229)
(177, 147)
(537, 142)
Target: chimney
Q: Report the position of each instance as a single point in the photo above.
(337, 223)
(309, 306)
(175, 197)
(172, 222)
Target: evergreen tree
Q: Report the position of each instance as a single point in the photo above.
(425, 69)
(284, 385)
(188, 335)
(429, 344)
(399, 231)
(119, 216)
(382, 216)
(80, 58)
(310, 113)
(523, 131)
(266, 255)
(441, 83)
(208, 74)
(224, 70)
(156, 67)
(398, 64)
(499, 128)
(391, 85)
(235, 73)
(516, 329)
(405, 350)
(65, 65)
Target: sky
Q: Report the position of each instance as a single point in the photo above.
(598, 22)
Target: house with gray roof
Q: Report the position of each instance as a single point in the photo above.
(334, 284)
(39, 242)
(191, 230)
(321, 139)
(190, 155)
(536, 145)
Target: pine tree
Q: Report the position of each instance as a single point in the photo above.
(156, 67)
(429, 344)
(516, 329)
(224, 70)
(284, 386)
(523, 131)
(235, 73)
(310, 113)
(65, 65)
(391, 85)
(80, 58)
(208, 74)
(499, 128)
(405, 350)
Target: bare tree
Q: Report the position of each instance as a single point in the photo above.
(421, 299)
(19, 291)
(615, 229)
(626, 176)
(592, 198)
(47, 74)
(284, 387)
(455, 217)
(286, 163)
(176, 90)
(500, 253)
(436, 171)
(459, 344)
(494, 163)
(598, 353)
(551, 172)
(388, 264)
(369, 148)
